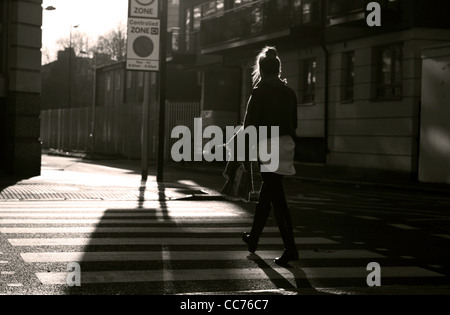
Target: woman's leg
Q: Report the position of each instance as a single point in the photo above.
(281, 210)
(262, 211)
(282, 216)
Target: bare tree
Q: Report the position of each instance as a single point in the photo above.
(45, 55)
(113, 43)
(79, 42)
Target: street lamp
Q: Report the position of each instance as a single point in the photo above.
(52, 8)
(92, 135)
(70, 86)
(70, 65)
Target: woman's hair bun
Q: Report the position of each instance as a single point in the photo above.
(271, 53)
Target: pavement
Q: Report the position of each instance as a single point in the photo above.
(76, 178)
(121, 179)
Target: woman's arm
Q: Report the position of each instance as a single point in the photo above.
(252, 113)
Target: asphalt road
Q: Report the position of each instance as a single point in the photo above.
(152, 245)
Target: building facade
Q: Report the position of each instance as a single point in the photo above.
(20, 87)
(359, 87)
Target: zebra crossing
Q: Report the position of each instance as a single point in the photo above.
(176, 247)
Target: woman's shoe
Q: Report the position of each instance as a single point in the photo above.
(288, 255)
(251, 244)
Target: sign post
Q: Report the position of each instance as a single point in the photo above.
(144, 52)
(162, 91)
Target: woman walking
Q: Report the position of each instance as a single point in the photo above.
(273, 103)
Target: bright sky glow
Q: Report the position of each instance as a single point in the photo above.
(94, 17)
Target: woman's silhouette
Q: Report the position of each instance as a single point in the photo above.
(273, 103)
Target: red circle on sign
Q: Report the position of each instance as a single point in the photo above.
(143, 46)
(145, 2)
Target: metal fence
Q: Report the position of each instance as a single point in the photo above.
(179, 114)
(118, 129)
(66, 129)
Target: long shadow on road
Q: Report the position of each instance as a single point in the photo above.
(125, 254)
(154, 249)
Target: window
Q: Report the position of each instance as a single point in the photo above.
(303, 12)
(213, 8)
(308, 80)
(307, 11)
(348, 75)
(256, 24)
(239, 3)
(388, 71)
(187, 29)
(197, 16)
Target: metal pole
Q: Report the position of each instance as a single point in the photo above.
(70, 86)
(69, 96)
(162, 89)
(145, 128)
(94, 97)
(69, 93)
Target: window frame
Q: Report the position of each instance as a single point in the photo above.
(380, 88)
(347, 92)
(308, 90)
(187, 28)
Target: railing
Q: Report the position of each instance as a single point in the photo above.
(344, 7)
(118, 128)
(337, 8)
(257, 18)
(262, 17)
(179, 114)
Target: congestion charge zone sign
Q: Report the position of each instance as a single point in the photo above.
(143, 44)
(144, 8)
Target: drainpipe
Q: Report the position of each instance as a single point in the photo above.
(327, 70)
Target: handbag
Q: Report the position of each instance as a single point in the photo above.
(239, 181)
(239, 184)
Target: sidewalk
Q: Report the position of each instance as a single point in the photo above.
(366, 177)
(123, 182)
(101, 179)
(343, 175)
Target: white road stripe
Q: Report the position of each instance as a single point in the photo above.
(93, 205)
(52, 257)
(233, 274)
(69, 230)
(123, 221)
(79, 214)
(203, 209)
(403, 226)
(187, 209)
(157, 241)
